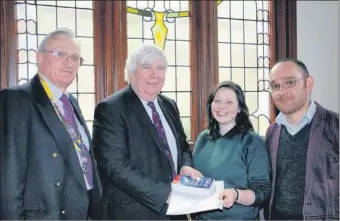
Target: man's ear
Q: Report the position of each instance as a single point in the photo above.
(39, 57)
(131, 75)
(310, 83)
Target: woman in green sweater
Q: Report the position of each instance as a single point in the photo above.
(231, 151)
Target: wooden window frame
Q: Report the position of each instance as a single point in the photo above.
(8, 44)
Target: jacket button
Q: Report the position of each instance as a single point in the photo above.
(63, 212)
(169, 178)
(57, 184)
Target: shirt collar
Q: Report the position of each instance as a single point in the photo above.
(234, 130)
(56, 92)
(282, 119)
(145, 103)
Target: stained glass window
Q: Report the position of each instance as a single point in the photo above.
(166, 24)
(37, 18)
(243, 43)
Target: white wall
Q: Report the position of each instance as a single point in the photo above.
(318, 48)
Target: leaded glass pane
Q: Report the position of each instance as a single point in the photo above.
(69, 13)
(186, 121)
(243, 36)
(224, 74)
(84, 4)
(37, 18)
(146, 22)
(46, 19)
(183, 104)
(68, 3)
(170, 80)
(224, 54)
(183, 79)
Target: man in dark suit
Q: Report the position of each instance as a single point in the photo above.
(139, 141)
(47, 166)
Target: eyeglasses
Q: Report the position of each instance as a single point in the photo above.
(287, 84)
(60, 56)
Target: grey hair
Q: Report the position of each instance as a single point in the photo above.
(59, 31)
(143, 54)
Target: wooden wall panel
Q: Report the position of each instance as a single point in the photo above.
(8, 44)
(204, 59)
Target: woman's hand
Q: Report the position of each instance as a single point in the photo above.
(229, 197)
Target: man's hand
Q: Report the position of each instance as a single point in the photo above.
(189, 171)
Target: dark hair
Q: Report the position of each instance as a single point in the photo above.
(243, 122)
(299, 63)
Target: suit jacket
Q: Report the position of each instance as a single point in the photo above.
(321, 190)
(135, 171)
(41, 177)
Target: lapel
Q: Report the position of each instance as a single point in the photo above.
(170, 118)
(96, 191)
(57, 129)
(136, 106)
(314, 142)
(274, 146)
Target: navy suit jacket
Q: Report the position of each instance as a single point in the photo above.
(135, 170)
(41, 177)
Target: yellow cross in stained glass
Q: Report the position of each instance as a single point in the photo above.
(159, 30)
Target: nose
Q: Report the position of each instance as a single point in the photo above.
(282, 91)
(69, 62)
(153, 72)
(222, 106)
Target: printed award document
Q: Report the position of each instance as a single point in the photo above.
(194, 195)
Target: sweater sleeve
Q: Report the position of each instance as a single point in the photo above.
(259, 170)
(201, 140)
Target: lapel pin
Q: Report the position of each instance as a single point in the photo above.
(54, 155)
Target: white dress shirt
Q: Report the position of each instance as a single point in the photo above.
(57, 93)
(168, 132)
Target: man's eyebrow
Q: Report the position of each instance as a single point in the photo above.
(289, 77)
(284, 78)
(65, 51)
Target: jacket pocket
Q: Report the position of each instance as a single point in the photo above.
(35, 214)
(333, 182)
(332, 165)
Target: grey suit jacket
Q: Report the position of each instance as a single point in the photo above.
(321, 190)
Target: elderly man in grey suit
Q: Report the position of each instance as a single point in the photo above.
(47, 166)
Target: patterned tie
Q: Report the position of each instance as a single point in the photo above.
(86, 161)
(159, 126)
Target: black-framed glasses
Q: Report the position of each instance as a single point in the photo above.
(60, 56)
(287, 84)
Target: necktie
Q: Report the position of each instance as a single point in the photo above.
(86, 161)
(159, 126)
